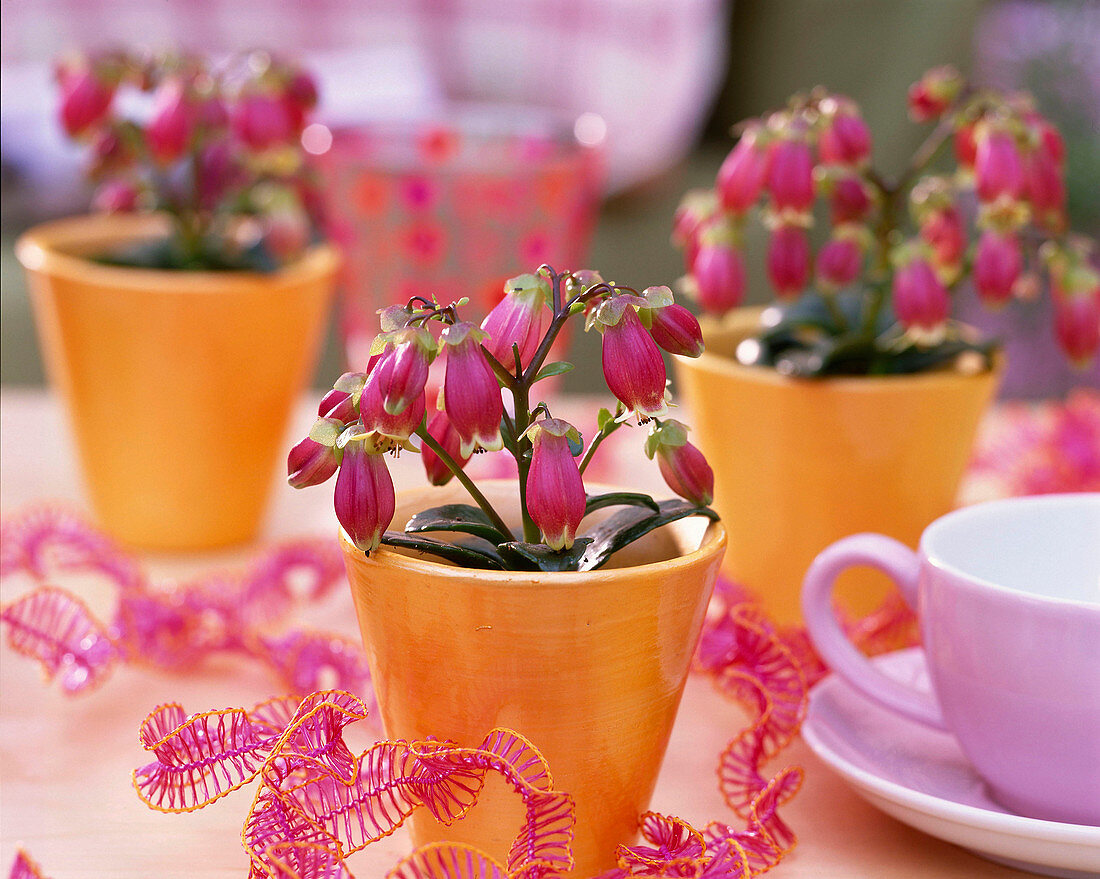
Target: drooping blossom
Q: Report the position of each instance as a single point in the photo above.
(849, 200)
(632, 364)
(741, 176)
(300, 97)
(788, 260)
(169, 131)
(311, 463)
(364, 497)
(845, 138)
(943, 230)
(1077, 327)
(471, 394)
(261, 121)
(998, 263)
(554, 490)
(1045, 187)
(677, 330)
(998, 171)
(719, 275)
(116, 197)
(965, 146)
(695, 211)
(443, 432)
(519, 318)
(402, 371)
(85, 100)
(791, 175)
(839, 261)
(921, 301)
(934, 92)
(340, 406)
(683, 467)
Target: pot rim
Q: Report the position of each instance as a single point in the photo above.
(713, 543)
(721, 364)
(40, 249)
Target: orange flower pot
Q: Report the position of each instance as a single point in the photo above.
(800, 463)
(589, 667)
(179, 384)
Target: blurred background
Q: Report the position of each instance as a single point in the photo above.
(655, 83)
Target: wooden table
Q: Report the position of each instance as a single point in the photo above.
(65, 763)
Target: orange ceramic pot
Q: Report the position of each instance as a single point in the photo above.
(179, 384)
(589, 667)
(799, 464)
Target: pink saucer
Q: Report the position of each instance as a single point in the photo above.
(920, 777)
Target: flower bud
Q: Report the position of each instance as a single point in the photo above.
(920, 300)
(1045, 189)
(788, 260)
(443, 432)
(933, 93)
(845, 138)
(677, 330)
(115, 197)
(632, 364)
(943, 231)
(168, 134)
(554, 490)
(261, 121)
(719, 274)
(791, 175)
(300, 97)
(216, 172)
(339, 406)
(1077, 326)
(402, 373)
(364, 498)
(839, 262)
(849, 200)
(85, 100)
(966, 147)
(311, 463)
(742, 174)
(683, 466)
(998, 263)
(519, 318)
(696, 209)
(471, 394)
(997, 168)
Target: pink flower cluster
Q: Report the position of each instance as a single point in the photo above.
(379, 410)
(216, 139)
(1008, 156)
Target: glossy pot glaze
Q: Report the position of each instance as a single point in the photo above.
(589, 667)
(178, 384)
(799, 463)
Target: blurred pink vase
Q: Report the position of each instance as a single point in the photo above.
(454, 206)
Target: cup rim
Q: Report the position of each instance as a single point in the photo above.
(980, 510)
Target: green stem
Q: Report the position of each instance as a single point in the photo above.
(467, 483)
(836, 313)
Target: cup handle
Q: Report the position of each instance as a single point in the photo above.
(901, 565)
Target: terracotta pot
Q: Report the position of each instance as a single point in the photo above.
(799, 464)
(179, 384)
(590, 667)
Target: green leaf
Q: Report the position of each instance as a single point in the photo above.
(540, 557)
(604, 418)
(619, 498)
(463, 518)
(464, 555)
(631, 524)
(558, 367)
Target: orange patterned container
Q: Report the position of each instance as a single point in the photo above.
(179, 384)
(799, 464)
(589, 667)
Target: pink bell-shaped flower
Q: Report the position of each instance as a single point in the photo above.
(676, 330)
(965, 145)
(683, 466)
(391, 428)
(85, 100)
(519, 318)
(116, 197)
(998, 171)
(364, 497)
(742, 174)
(920, 299)
(554, 490)
(933, 93)
(471, 394)
(788, 260)
(696, 209)
(944, 232)
(845, 138)
(1077, 327)
(840, 261)
(849, 201)
(339, 406)
(791, 175)
(719, 275)
(311, 463)
(300, 97)
(402, 372)
(632, 364)
(1045, 188)
(443, 432)
(168, 134)
(262, 121)
(998, 263)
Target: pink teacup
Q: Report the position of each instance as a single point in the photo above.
(1008, 598)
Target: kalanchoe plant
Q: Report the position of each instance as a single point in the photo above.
(384, 409)
(218, 150)
(879, 296)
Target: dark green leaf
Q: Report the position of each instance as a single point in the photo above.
(558, 367)
(464, 518)
(461, 554)
(540, 557)
(618, 498)
(630, 524)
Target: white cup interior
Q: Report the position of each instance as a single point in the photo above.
(1047, 546)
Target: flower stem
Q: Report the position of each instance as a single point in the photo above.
(467, 483)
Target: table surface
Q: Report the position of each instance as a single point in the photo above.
(65, 762)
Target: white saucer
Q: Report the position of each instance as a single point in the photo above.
(920, 777)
